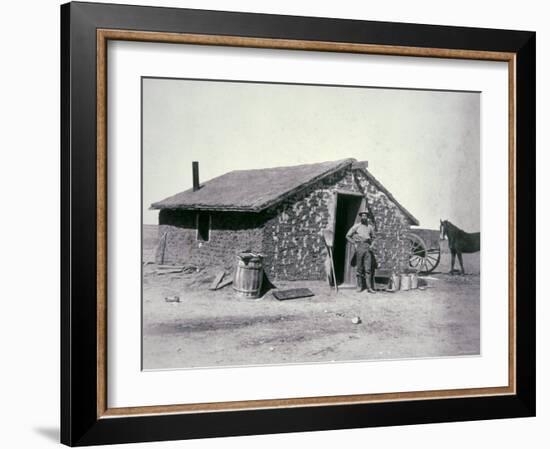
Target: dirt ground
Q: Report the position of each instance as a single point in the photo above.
(217, 328)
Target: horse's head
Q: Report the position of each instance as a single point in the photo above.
(442, 229)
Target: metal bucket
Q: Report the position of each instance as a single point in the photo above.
(414, 280)
(405, 282)
(249, 273)
(395, 283)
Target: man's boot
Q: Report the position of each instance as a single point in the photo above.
(360, 283)
(370, 288)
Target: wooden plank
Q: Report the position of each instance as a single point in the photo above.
(217, 280)
(333, 270)
(163, 243)
(292, 293)
(224, 283)
(161, 272)
(171, 267)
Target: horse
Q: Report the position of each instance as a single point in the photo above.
(459, 242)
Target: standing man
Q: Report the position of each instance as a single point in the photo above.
(361, 235)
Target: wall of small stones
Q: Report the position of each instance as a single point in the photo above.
(293, 238)
(293, 242)
(391, 248)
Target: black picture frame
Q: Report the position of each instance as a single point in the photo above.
(80, 423)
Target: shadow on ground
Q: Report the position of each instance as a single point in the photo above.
(49, 433)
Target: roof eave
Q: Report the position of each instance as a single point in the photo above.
(205, 208)
(414, 221)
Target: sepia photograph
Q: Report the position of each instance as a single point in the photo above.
(299, 224)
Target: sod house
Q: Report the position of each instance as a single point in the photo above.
(281, 213)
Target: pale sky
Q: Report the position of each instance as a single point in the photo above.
(423, 146)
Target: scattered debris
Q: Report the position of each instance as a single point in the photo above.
(217, 280)
(292, 293)
(174, 298)
(356, 320)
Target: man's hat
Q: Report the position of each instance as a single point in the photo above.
(363, 213)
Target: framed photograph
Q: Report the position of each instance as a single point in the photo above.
(280, 224)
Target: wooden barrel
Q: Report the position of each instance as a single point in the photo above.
(247, 280)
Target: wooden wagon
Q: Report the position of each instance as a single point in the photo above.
(425, 250)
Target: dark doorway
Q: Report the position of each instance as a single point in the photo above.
(347, 209)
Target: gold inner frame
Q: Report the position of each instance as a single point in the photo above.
(104, 35)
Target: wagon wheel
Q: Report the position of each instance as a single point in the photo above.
(422, 258)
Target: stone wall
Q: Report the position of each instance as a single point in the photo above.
(293, 238)
(391, 248)
(230, 233)
(293, 242)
